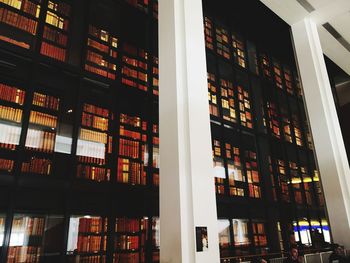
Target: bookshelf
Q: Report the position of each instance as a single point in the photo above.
(265, 66)
(259, 236)
(245, 111)
(236, 178)
(41, 134)
(222, 42)
(288, 79)
(130, 239)
(228, 100)
(296, 182)
(94, 144)
(133, 150)
(102, 53)
(241, 237)
(87, 239)
(213, 96)
(156, 157)
(283, 180)
(308, 185)
(239, 53)
(253, 175)
(134, 67)
(55, 33)
(273, 119)
(11, 112)
(277, 71)
(155, 76)
(219, 168)
(155, 239)
(209, 33)
(19, 20)
(26, 240)
(285, 123)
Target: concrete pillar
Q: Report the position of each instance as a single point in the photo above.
(329, 145)
(187, 194)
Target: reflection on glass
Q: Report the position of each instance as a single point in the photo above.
(26, 239)
(2, 229)
(155, 239)
(224, 233)
(219, 168)
(10, 128)
(240, 232)
(326, 232)
(87, 240)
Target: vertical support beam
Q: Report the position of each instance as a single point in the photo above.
(187, 192)
(329, 145)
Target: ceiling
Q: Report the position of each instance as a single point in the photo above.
(332, 18)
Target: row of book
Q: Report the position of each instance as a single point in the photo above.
(92, 225)
(93, 136)
(53, 51)
(91, 244)
(93, 173)
(18, 21)
(101, 72)
(98, 46)
(132, 121)
(96, 122)
(126, 242)
(96, 110)
(31, 226)
(100, 60)
(132, 83)
(127, 133)
(55, 36)
(6, 165)
(130, 172)
(43, 119)
(12, 94)
(127, 225)
(40, 140)
(132, 73)
(91, 160)
(10, 114)
(45, 101)
(27, 254)
(134, 62)
(129, 148)
(19, 43)
(37, 166)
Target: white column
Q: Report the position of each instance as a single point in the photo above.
(187, 194)
(329, 145)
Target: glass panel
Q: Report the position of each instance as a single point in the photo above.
(87, 239)
(224, 233)
(2, 229)
(155, 239)
(26, 241)
(240, 232)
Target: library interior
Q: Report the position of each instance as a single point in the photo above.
(247, 108)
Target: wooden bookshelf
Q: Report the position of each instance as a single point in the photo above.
(55, 35)
(259, 236)
(87, 241)
(26, 239)
(277, 72)
(130, 239)
(283, 180)
(134, 67)
(94, 144)
(19, 20)
(273, 119)
(296, 182)
(132, 150)
(102, 53)
(11, 111)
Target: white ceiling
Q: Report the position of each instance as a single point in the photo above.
(334, 12)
